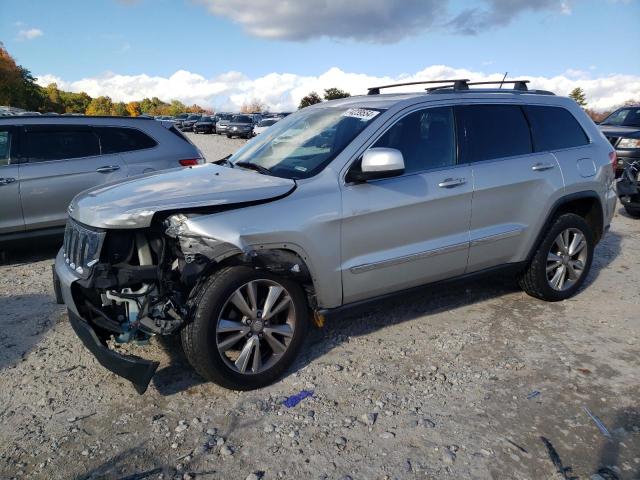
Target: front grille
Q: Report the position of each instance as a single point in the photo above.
(613, 140)
(82, 247)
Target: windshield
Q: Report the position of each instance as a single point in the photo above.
(625, 117)
(304, 143)
(241, 119)
(205, 119)
(266, 123)
(193, 117)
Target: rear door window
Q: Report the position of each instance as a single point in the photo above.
(120, 139)
(5, 147)
(554, 128)
(42, 144)
(488, 132)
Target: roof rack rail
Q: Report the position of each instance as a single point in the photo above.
(520, 85)
(456, 83)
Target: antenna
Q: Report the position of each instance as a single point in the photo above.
(503, 78)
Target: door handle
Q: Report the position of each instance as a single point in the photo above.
(539, 167)
(108, 169)
(7, 181)
(452, 182)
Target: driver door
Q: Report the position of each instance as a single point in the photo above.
(411, 229)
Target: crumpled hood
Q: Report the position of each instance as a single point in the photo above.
(131, 203)
(617, 131)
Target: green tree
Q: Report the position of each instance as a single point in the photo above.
(18, 87)
(100, 106)
(579, 96)
(334, 93)
(310, 99)
(119, 109)
(54, 101)
(75, 102)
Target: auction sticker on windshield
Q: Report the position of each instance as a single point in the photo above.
(363, 114)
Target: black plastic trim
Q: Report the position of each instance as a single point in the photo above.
(137, 370)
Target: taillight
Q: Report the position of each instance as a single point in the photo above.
(613, 158)
(189, 162)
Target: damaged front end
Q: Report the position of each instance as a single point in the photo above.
(138, 283)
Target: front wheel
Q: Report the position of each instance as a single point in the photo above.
(247, 328)
(562, 262)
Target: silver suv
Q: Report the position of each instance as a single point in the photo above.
(336, 204)
(46, 161)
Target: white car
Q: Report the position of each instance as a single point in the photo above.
(263, 125)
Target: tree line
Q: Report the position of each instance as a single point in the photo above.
(18, 88)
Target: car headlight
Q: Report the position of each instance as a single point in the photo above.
(629, 143)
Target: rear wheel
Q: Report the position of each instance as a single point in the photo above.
(247, 328)
(562, 261)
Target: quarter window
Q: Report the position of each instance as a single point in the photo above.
(426, 139)
(487, 132)
(119, 140)
(60, 144)
(554, 128)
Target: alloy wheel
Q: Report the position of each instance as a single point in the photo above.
(255, 326)
(566, 259)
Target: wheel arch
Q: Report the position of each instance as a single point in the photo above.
(586, 204)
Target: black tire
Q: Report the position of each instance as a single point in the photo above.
(632, 211)
(534, 279)
(199, 335)
(229, 136)
(57, 291)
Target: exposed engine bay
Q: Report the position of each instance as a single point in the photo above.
(145, 279)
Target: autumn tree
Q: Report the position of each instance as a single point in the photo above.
(310, 99)
(54, 101)
(334, 93)
(252, 106)
(579, 96)
(100, 106)
(133, 109)
(18, 87)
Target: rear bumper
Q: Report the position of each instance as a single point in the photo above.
(137, 370)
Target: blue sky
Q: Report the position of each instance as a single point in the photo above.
(74, 40)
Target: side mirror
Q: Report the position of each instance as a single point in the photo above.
(378, 163)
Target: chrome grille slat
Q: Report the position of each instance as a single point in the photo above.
(81, 247)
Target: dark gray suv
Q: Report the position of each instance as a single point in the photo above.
(46, 161)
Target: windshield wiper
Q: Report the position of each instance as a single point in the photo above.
(225, 161)
(254, 166)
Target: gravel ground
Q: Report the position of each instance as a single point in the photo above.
(440, 383)
(215, 147)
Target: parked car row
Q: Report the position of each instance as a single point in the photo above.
(229, 124)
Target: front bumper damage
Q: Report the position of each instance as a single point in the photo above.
(137, 370)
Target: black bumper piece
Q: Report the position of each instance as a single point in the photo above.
(137, 370)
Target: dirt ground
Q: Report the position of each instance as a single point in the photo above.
(439, 383)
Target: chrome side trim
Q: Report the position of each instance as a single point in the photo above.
(495, 237)
(408, 258)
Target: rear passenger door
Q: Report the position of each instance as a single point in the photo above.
(10, 211)
(58, 163)
(136, 148)
(513, 186)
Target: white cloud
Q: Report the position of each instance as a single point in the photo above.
(29, 33)
(283, 91)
